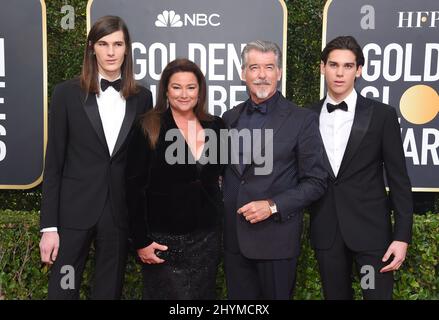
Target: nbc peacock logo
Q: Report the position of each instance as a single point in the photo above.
(168, 19)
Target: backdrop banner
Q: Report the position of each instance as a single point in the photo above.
(23, 93)
(211, 33)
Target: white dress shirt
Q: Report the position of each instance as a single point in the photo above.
(112, 108)
(335, 128)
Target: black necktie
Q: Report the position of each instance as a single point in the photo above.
(342, 106)
(262, 108)
(116, 84)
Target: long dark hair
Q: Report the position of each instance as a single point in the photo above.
(89, 75)
(151, 122)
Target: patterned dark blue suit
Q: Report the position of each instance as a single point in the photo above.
(260, 258)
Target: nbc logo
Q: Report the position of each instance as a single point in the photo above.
(168, 19)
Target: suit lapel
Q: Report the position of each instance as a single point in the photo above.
(236, 112)
(318, 108)
(234, 117)
(328, 164)
(92, 111)
(363, 114)
(130, 115)
(276, 117)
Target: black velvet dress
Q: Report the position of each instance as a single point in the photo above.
(178, 205)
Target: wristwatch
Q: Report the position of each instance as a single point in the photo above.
(273, 207)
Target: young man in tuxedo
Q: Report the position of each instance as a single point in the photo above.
(83, 190)
(352, 221)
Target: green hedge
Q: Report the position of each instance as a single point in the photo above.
(23, 277)
(418, 278)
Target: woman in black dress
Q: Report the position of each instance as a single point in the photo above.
(173, 193)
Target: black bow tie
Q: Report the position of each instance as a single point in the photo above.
(342, 106)
(262, 108)
(116, 84)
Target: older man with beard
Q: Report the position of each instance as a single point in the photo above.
(264, 209)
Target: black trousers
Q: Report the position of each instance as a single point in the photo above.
(336, 272)
(249, 279)
(110, 244)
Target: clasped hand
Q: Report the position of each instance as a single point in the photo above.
(148, 254)
(255, 211)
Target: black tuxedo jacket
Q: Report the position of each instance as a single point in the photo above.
(298, 178)
(79, 173)
(357, 198)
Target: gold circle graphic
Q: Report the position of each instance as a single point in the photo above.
(419, 104)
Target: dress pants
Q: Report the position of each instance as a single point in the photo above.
(249, 279)
(110, 243)
(335, 265)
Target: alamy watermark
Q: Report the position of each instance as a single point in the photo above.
(68, 21)
(367, 281)
(231, 146)
(68, 280)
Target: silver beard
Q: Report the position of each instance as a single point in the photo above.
(262, 93)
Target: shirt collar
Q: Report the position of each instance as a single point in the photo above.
(269, 102)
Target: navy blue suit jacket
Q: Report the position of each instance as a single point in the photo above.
(298, 178)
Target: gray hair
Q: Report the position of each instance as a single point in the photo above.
(261, 46)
